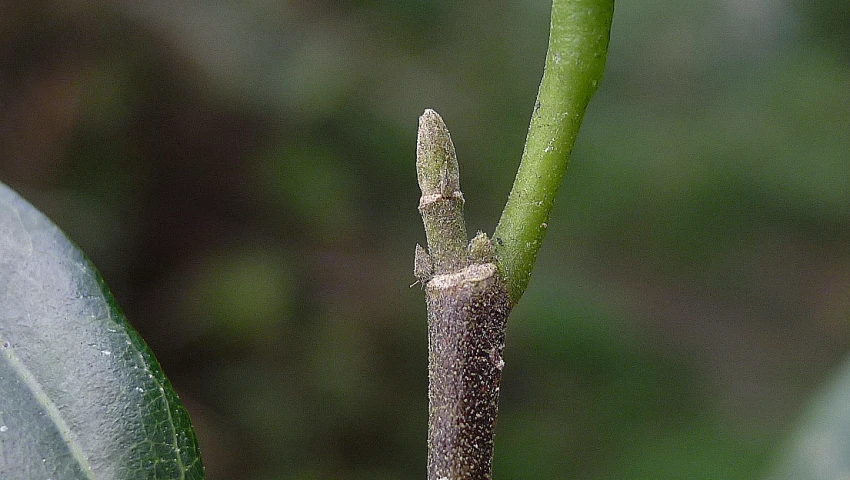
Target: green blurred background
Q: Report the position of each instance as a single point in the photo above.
(242, 173)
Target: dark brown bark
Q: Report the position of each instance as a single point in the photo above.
(467, 315)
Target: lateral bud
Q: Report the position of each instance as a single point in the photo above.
(481, 249)
(423, 268)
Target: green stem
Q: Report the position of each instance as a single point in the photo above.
(578, 43)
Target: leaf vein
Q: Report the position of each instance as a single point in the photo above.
(50, 408)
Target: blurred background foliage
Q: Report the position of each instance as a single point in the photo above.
(242, 174)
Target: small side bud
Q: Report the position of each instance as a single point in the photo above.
(423, 269)
(481, 249)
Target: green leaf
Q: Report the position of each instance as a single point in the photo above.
(81, 395)
(820, 446)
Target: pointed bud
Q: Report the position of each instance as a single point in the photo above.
(436, 161)
(441, 203)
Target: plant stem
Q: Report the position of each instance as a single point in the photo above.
(470, 289)
(578, 43)
(467, 317)
(468, 309)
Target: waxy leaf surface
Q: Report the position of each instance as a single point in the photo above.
(81, 395)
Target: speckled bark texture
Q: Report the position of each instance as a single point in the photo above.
(468, 308)
(467, 315)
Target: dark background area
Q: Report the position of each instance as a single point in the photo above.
(242, 173)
